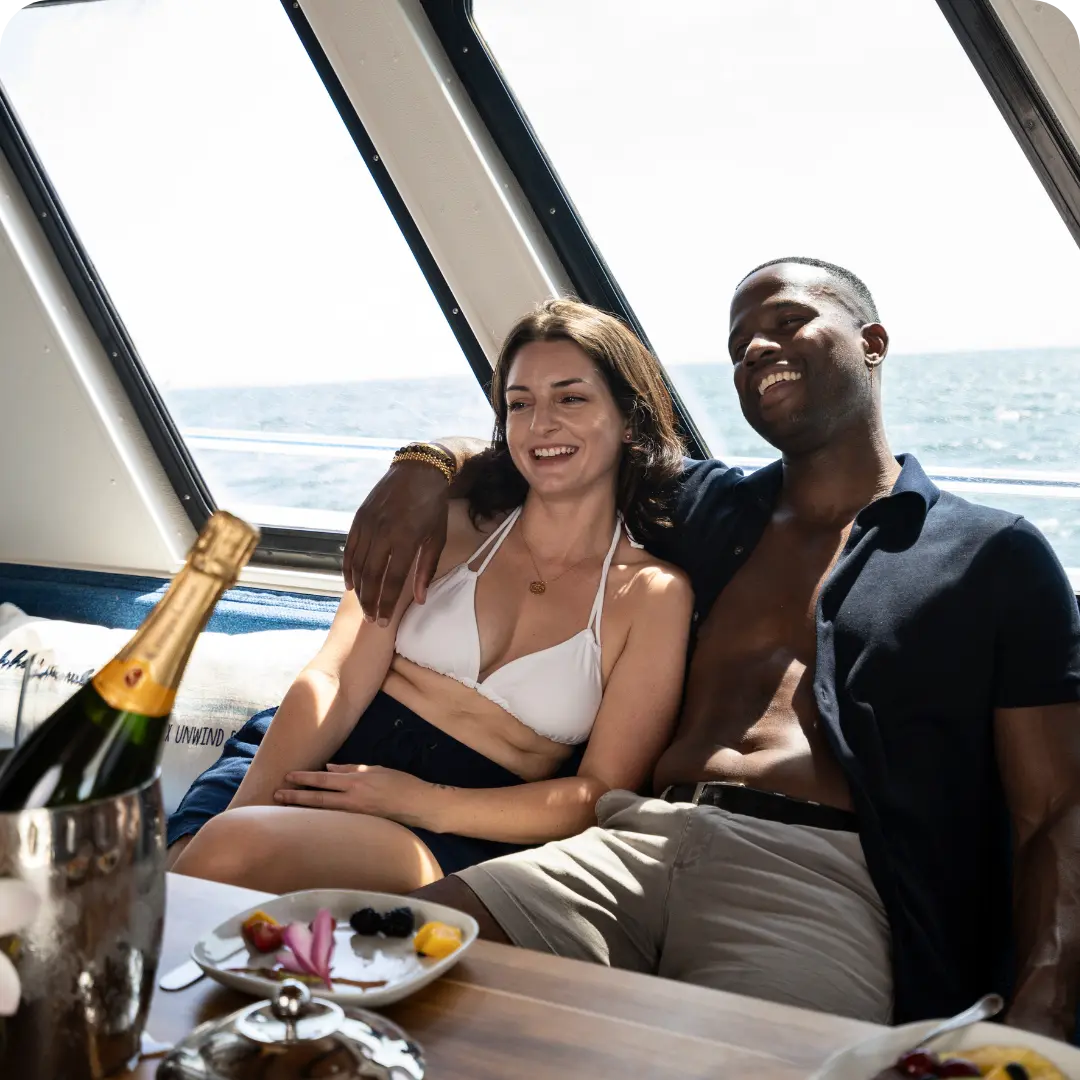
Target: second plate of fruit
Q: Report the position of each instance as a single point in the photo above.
(403, 945)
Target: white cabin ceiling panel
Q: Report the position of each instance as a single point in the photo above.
(464, 200)
(81, 486)
(1046, 39)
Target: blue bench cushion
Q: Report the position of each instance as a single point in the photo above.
(123, 601)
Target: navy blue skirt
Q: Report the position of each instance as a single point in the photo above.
(390, 735)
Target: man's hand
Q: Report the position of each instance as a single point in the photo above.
(1041, 1019)
(358, 789)
(1038, 752)
(401, 522)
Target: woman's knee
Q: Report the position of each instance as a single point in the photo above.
(231, 847)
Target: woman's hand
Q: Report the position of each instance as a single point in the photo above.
(359, 789)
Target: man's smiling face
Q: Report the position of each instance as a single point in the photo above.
(803, 350)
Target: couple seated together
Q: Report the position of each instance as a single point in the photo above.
(817, 741)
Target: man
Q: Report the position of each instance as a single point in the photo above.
(875, 661)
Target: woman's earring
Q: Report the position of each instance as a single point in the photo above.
(627, 436)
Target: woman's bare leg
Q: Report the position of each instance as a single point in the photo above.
(281, 849)
(174, 852)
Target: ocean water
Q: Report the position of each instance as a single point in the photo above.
(1009, 409)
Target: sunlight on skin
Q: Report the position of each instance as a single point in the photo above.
(280, 849)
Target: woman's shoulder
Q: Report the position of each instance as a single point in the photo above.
(463, 535)
(649, 581)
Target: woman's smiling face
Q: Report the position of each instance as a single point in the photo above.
(563, 429)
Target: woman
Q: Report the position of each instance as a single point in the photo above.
(547, 626)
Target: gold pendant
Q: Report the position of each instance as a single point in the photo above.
(537, 587)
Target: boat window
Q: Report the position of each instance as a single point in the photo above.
(267, 288)
(698, 140)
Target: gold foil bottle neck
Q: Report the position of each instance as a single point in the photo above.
(144, 675)
(223, 547)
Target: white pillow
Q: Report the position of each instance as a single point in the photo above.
(229, 678)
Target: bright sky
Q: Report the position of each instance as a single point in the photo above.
(699, 139)
(244, 241)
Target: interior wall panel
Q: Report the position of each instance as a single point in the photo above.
(80, 486)
(1046, 39)
(468, 207)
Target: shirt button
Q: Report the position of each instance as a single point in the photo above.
(739, 550)
(398, 722)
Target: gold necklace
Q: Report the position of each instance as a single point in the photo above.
(540, 585)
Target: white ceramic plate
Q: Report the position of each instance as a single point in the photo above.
(355, 957)
(864, 1060)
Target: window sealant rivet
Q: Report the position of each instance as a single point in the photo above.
(1029, 124)
(453, 311)
(552, 210)
(464, 48)
(375, 158)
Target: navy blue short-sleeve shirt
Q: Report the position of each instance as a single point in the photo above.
(938, 612)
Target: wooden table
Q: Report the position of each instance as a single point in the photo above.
(504, 1014)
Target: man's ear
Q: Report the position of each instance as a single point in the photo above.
(875, 344)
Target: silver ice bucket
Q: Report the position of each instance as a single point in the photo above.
(87, 962)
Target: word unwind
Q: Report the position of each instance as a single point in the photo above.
(189, 735)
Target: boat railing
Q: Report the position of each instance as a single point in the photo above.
(1040, 483)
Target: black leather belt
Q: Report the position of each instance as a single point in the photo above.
(769, 805)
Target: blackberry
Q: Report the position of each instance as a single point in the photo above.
(366, 921)
(399, 922)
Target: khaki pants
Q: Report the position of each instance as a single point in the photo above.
(695, 893)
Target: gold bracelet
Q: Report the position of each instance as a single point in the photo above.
(428, 458)
(432, 450)
(438, 451)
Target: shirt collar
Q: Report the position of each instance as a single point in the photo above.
(913, 489)
(762, 486)
(914, 492)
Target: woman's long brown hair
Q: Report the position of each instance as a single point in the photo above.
(652, 459)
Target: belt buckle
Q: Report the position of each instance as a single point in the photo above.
(699, 790)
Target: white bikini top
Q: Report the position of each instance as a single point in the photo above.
(555, 691)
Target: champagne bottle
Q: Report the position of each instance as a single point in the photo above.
(107, 738)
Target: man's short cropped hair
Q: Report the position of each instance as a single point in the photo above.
(866, 309)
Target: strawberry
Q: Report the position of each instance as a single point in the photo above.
(262, 932)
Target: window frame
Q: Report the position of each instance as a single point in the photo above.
(975, 23)
(296, 548)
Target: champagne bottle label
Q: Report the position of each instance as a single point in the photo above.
(129, 685)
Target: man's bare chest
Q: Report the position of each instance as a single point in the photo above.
(768, 608)
(749, 715)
